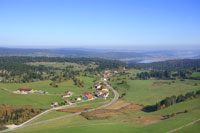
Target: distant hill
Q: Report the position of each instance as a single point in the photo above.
(68, 53)
(116, 54)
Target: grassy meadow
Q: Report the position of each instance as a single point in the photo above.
(80, 124)
(38, 100)
(148, 92)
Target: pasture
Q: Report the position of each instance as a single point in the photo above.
(80, 124)
(40, 100)
(148, 92)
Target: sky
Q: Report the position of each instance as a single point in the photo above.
(99, 23)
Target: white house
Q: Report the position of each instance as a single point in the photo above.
(78, 99)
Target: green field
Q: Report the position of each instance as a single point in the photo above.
(141, 92)
(148, 92)
(38, 100)
(79, 124)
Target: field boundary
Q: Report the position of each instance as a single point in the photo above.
(189, 124)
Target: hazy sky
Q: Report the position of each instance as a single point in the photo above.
(99, 23)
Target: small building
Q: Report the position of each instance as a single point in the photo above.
(105, 89)
(116, 72)
(78, 99)
(98, 93)
(54, 104)
(69, 92)
(66, 95)
(25, 91)
(105, 79)
(98, 85)
(87, 96)
(68, 101)
(107, 74)
(104, 96)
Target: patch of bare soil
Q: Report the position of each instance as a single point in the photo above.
(119, 104)
(145, 119)
(160, 83)
(119, 108)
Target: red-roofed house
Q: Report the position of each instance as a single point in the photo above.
(87, 96)
(98, 93)
(68, 101)
(104, 95)
(66, 95)
(25, 91)
(107, 74)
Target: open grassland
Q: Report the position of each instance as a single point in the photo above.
(36, 100)
(39, 100)
(195, 128)
(80, 124)
(148, 92)
(44, 85)
(50, 115)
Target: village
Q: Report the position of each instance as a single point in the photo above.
(100, 91)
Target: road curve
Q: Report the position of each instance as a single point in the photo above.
(116, 96)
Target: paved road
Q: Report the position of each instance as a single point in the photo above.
(116, 96)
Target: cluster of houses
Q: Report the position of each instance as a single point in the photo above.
(101, 92)
(29, 91)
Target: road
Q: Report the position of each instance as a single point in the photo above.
(116, 96)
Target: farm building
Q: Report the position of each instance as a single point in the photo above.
(87, 96)
(78, 99)
(104, 95)
(98, 85)
(68, 101)
(66, 95)
(25, 91)
(98, 93)
(54, 104)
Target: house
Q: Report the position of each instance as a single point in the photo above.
(78, 99)
(87, 96)
(105, 89)
(116, 72)
(68, 101)
(98, 85)
(54, 104)
(98, 93)
(69, 92)
(66, 95)
(25, 91)
(104, 95)
(105, 79)
(107, 74)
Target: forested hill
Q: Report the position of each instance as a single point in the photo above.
(16, 63)
(95, 53)
(168, 65)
